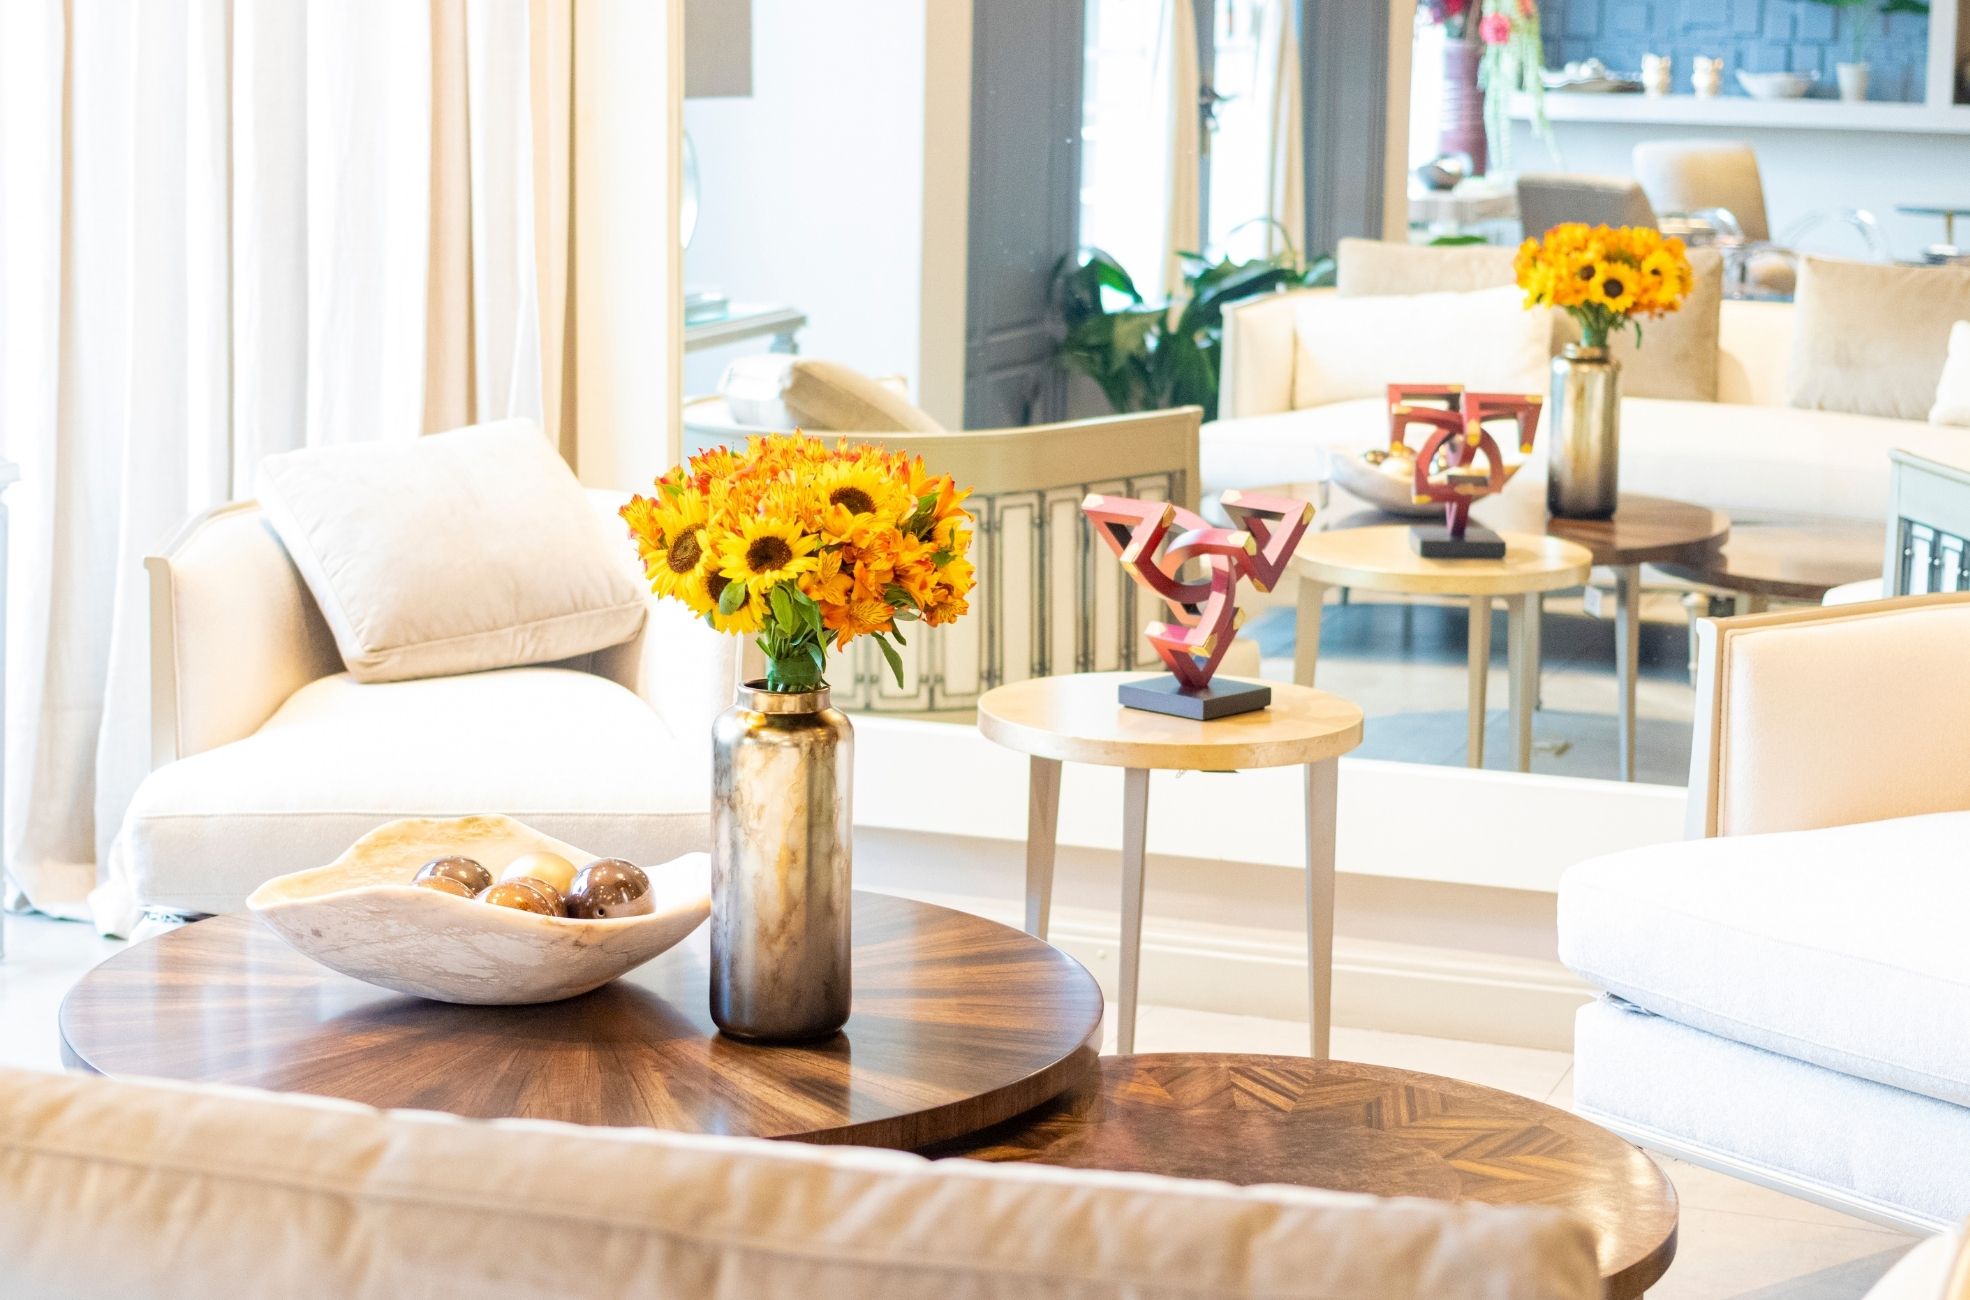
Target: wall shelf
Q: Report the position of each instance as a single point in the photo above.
(1744, 112)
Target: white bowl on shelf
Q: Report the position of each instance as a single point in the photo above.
(1776, 85)
(360, 915)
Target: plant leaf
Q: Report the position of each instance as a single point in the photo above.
(731, 598)
(889, 653)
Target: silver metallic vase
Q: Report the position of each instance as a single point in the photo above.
(781, 769)
(1583, 437)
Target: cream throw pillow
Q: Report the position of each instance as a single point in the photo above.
(1953, 393)
(1374, 268)
(825, 396)
(1870, 339)
(1346, 348)
(452, 553)
(1677, 357)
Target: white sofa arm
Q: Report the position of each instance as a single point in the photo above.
(234, 632)
(1827, 717)
(1256, 377)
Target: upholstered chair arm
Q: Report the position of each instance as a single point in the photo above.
(234, 632)
(685, 671)
(1826, 717)
(1256, 377)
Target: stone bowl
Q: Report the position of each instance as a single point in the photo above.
(361, 916)
(1387, 481)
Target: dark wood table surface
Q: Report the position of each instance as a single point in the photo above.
(1788, 561)
(1352, 1128)
(959, 1023)
(1643, 529)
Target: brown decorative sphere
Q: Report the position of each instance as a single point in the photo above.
(465, 871)
(526, 896)
(548, 868)
(444, 885)
(609, 888)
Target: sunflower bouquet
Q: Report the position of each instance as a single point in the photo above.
(800, 544)
(1607, 279)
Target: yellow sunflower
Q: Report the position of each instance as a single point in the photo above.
(854, 496)
(682, 551)
(702, 593)
(764, 552)
(1614, 286)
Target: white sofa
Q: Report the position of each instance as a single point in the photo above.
(268, 757)
(1789, 989)
(162, 1190)
(1747, 453)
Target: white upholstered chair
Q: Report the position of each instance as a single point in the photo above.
(268, 758)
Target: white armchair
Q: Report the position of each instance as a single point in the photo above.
(267, 757)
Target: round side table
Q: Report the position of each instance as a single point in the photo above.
(1381, 559)
(1078, 719)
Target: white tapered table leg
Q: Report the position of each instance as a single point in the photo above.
(1135, 831)
(1306, 631)
(1042, 822)
(1523, 677)
(1627, 657)
(1480, 672)
(1321, 804)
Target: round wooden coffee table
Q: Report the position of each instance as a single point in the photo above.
(1352, 1128)
(959, 1023)
(1643, 530)
(1766, 562)
(1079, 718)
(1381, 559)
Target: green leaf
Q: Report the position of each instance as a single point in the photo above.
(731, 598)
(782, 608)
(889, 653)
(818, 655)
(897, 633)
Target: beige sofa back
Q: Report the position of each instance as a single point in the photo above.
(1754, 342)
(147, 1190)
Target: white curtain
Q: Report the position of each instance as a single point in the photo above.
(1183, 230)
(232, 227)
(1278, 93)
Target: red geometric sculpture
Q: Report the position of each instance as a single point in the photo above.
(1204, 604)
(1447, 464)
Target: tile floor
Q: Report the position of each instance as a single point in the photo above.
(1736, 1239)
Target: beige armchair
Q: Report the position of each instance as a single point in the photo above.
(267, 757)
(1044, 603)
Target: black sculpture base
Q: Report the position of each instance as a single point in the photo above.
(1218, 700)
(1434, 542)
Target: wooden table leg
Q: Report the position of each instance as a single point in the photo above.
(1535, 617)
(1135, 831)
(1306, 631)
(1042, 822)
(1627, 657)
(1523, 673)
(1480, 673)
(1321, 805)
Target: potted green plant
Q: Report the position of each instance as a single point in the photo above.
(1853, 75)
(1147, 356)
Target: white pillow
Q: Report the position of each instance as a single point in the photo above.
(1346, 348)
(1953, 393)
(451, 553)
(825, 396)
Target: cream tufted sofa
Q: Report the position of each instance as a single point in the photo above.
(154, 1191)
(1788, 991)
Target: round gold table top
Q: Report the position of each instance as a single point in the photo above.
(1079, 719)
(1382, 559)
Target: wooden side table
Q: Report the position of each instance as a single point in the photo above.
(1078, 719)
(1381, 559)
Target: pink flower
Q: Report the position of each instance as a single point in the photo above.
(1495, 29)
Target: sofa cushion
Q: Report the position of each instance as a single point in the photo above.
(824, 396)
(1373, 268)
(1676, 357)
(1871, 339)
(572, 754)
(111, 1188)
(1356, 347)
(1953, 390)
(451, 553)
(1842, 947)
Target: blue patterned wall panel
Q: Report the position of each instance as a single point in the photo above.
(1762, 35)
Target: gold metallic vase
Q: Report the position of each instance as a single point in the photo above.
(1584, 434)
(782, 764)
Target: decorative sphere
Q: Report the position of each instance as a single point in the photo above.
(444, 885)
(609, 888)
(548, 868)
(465, 871)
(526, 896)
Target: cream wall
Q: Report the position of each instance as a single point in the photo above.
(839, 187)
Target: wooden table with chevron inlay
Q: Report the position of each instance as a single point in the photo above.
(1351, 1128)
